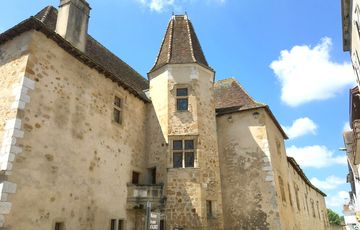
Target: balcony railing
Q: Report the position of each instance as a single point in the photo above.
(139, 195)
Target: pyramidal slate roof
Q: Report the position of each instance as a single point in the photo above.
(95, 56)
(180, 45)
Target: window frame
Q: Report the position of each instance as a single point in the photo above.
(210, 209)
(183, 151)
(117, 224)
(118, 108)
(182, 97)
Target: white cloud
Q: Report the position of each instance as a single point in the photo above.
(331, 182)
(337, 200)
(307, 74)
(300, 127)
(346, 127)
(175, 5)
(315, 156)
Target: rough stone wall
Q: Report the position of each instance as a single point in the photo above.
(309, 206)
(293, 209)
(187, 189)
(248, 187)
(14, 89)
(76, 161)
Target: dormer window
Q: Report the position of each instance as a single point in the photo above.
(182, 101)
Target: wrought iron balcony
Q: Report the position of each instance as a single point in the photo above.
(140, 194)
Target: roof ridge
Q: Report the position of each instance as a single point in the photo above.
(190, 40)
(170, 38)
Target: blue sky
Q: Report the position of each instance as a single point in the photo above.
(286, 53)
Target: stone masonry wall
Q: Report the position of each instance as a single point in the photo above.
(294, 196)
(248, 188)
(14, 89)
(187, 189)
(76, 162)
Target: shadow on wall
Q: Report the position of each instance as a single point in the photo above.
(249, 199)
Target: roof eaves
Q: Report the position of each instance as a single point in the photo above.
(297, 168)
(276, 122)
(36, 24)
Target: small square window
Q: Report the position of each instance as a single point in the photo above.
(182, 104)
(182, 92)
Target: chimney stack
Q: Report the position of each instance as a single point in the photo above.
(72, 22)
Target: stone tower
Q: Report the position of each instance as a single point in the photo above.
(181, 90)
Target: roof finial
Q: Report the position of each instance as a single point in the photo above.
(186, 15)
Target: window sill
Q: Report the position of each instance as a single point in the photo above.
(187, 168)
(117, 124)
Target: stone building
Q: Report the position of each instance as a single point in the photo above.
(351, 43)
(87, 141)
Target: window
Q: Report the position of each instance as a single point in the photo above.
(209, 209)
(59, 226)
(312, 207)
(290, 199)
(116, 224)
(182, 99)
(296, 188)
(183, 153)
(278, 146)
(135, 177)
(118, 110)
(282, 190)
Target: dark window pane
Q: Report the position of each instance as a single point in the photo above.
(117, 116)
(117, 101)
(120, 226)
(135, 177)
(182, 104)
(177, 160)
(189, 160)
(112, 225)
(182, 92)
(209, 208)
(177, 145)
(189, 144)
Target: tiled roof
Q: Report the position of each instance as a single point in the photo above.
(230, 97)
(229, 94)
(95, 55)
(180, 45)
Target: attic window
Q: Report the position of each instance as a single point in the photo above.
(182, 100)
(117, 110)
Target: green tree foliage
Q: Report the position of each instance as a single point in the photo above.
(333, 217)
